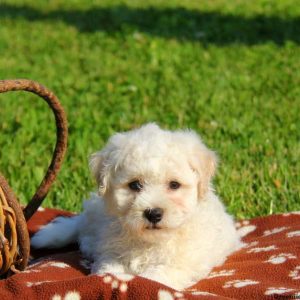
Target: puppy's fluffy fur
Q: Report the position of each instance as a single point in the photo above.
(192, 232)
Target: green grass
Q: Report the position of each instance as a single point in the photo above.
(228, 69)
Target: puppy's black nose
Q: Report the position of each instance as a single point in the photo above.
(153, 215)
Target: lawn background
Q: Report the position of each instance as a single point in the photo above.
(228, 69)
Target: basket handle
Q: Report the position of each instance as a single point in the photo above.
(61, 136)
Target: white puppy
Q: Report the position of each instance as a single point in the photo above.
(157, 215)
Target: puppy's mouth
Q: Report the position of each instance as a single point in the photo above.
(153, 227)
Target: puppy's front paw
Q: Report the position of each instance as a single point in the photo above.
(164, 277)
(103, 268)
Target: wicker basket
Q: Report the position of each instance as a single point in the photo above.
(14, 237)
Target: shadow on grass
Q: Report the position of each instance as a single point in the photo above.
(179, 23)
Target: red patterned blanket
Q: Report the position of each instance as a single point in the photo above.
(268, 267)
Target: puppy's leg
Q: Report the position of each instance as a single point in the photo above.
(59, 233)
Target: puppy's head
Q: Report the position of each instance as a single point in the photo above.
(153, 179)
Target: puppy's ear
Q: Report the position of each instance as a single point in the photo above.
(103, 163)
(99, 170)
(207, 167)
(204, 162)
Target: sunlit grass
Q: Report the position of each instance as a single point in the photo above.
(228, 69)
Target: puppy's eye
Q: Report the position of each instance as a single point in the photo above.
(174, 185)
(135, 186)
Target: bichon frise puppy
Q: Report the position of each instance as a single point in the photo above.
(156, 215)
